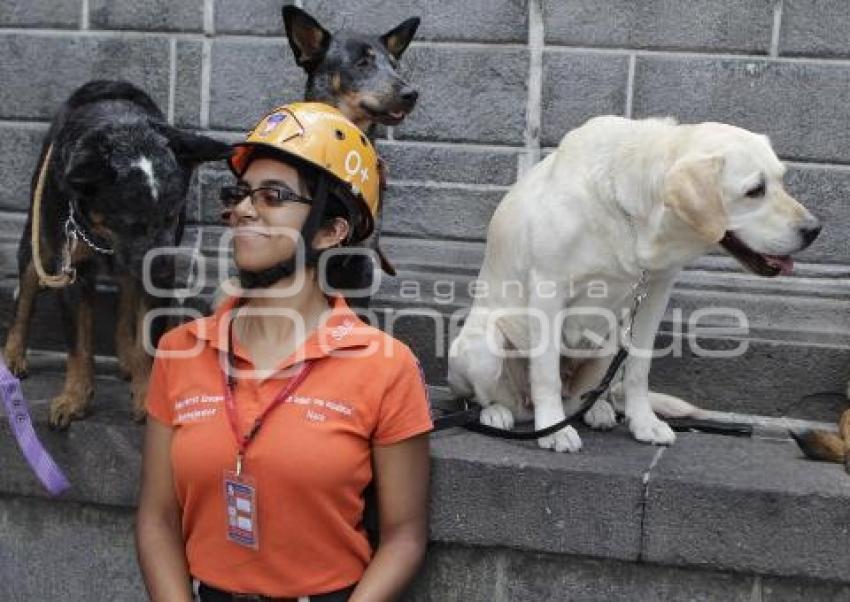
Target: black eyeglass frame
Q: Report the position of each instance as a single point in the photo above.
(230, 196)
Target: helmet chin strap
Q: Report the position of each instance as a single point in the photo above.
(266, 277)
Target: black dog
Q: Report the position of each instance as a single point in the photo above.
(115, 182)
(359, 75)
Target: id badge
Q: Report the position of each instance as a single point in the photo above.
(240, 500)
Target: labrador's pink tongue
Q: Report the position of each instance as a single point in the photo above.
(784, 263)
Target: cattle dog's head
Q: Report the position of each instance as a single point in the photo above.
(358, 74)
(128, 182)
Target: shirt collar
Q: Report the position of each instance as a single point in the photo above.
(342, 329)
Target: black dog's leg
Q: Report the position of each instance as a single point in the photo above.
(77, 304)
(125, 328)
(140, 366)
(15, 352)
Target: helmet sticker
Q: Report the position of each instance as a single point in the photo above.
(354, 166)
(272, 122)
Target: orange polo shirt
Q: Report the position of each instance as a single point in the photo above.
(310, 460)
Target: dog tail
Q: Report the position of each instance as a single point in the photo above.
(673, 407)
(667, 406)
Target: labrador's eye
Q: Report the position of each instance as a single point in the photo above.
(757, 191)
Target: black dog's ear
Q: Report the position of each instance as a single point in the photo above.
(397, 40)
(193, 148)
(309, 40)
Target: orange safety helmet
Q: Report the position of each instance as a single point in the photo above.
(320, 136)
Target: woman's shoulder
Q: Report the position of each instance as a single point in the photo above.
(396, 356)
(188, 334)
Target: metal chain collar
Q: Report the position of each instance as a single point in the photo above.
(74, 231)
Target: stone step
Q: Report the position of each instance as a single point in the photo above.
(709, 507)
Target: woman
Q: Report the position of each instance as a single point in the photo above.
(270, 418)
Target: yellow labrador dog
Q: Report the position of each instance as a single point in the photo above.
(568, 244)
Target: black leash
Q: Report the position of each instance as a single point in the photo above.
(469, 416)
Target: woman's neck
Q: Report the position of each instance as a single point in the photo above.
(278, 319)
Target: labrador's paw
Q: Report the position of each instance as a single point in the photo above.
(497, 416)
(649, 429)
(565, 440)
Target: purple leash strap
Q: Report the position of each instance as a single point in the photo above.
(20, 422)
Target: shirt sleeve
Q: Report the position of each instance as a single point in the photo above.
(405, 410)
(158, 402)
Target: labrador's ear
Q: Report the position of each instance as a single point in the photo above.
(692, 191)
(309, 40)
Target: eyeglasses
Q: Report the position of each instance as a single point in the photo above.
(264, 196)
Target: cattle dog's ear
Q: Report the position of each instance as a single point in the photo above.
(88, 166)
(397, 40)
(190, 148)
(692, 191)
(309, 40)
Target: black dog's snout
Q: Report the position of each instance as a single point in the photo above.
(810, 233)
(409, 95)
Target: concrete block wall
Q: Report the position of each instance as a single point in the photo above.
(500, 82)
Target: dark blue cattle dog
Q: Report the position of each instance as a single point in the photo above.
(359, 75)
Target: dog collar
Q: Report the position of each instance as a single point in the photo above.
(74, 231)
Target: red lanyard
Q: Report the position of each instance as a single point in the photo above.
(230, 405)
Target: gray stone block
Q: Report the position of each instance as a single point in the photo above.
(210, 182)
(41, 72)
(64, 551)
(578, 86)
(800, 590)
(40, 13)
(548, 577)
(458, 573)
(446, 163)
(439, 212)
(19, 150)
(251, 17)
(467, 94)
(586, 504)
(466, 573)
(155, 15)
(772, 378)
(804, 107)
(187, 84)
(478, 20)
(747, 505)
(815, 28)
(823, 191)
(249, 78)
(435, 255)
(722, 25)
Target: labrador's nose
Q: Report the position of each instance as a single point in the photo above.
(810, 232)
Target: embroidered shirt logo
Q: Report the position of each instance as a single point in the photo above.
(342, 331)
(197, 408)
